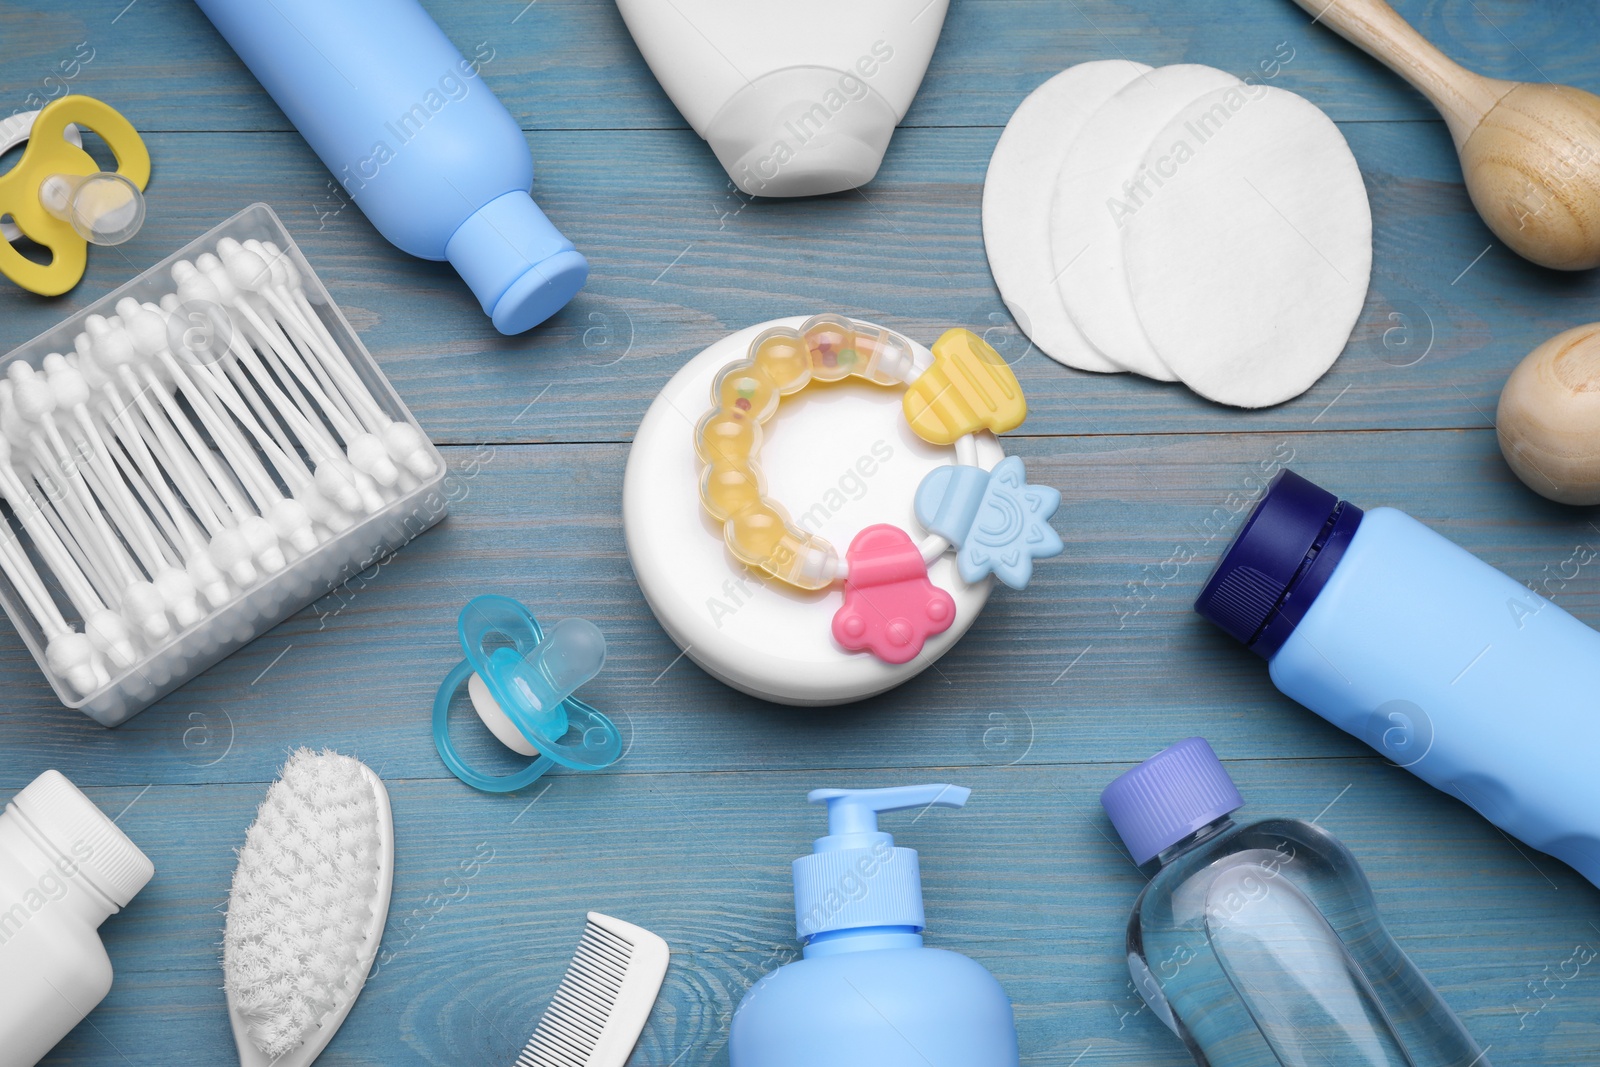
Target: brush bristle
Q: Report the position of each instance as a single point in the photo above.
(302, 899)
(578, 1012)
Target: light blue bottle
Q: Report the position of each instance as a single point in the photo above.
(868, 993)
(1260, 944)
(410, 130)
(1478, 685)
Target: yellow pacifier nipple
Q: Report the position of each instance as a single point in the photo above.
(59, 198)
(968, 388)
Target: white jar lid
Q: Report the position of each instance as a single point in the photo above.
(85, 835)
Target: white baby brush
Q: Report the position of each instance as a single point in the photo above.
(306, 914)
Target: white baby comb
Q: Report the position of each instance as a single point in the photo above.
(603, 1001)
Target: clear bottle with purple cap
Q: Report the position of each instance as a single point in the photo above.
(1260, 944)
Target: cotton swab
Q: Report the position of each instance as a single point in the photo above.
(162, 474)
(405, 442)
(105, 627)
(140, 600)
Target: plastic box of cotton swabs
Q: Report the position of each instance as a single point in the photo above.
(190, 461)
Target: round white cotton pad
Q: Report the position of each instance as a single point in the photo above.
(1099, 188)
(1016, 204)
(1249, 267)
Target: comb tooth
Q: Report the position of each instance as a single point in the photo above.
(577, 1014)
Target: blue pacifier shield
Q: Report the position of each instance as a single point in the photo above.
(530, 676)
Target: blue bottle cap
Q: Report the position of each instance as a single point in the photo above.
(856, 877)
(1278, 563)
(520, 267)
(1168, 797)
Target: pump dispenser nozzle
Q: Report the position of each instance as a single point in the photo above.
(856, 878)
(853, 813)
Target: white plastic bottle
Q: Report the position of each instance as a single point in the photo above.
(795, 98)
(64, 868)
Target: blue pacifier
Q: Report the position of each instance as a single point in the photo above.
(521, 681)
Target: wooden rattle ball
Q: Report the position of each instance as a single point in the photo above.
(1549, 417)
(1530, 153)
(1532, 168)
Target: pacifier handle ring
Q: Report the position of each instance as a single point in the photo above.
(488, 783)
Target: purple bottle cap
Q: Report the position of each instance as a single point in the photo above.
(1168, 797)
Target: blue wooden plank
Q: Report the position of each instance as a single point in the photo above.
(1053, 692)
(569, 64)
(490, 894)
(1080, 665)
(679, 260)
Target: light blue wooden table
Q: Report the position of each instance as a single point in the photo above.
(1053, 692)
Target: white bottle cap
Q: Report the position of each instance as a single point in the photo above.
(85, 836)
(802, 131)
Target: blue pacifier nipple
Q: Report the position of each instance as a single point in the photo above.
(521, 681)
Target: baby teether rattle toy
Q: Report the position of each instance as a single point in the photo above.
(998, 521)
(58, 197)
(1530, 152)
(520, 681)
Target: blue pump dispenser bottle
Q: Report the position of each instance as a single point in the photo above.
(867, 992)
(411, 132)
(1475, 683)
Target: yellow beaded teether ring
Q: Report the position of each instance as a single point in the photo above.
(968, 388)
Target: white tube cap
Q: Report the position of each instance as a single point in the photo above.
(802, 131)
(86, 836)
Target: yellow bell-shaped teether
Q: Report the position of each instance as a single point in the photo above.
(968, 388)
(60, 198)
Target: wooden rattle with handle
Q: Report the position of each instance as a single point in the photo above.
(1530, 152)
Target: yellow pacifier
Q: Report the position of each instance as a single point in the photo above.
(59, 198)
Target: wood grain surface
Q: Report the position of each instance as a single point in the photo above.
(1054, 691)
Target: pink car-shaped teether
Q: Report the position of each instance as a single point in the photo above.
(890, 608)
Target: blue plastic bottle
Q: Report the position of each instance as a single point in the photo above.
(867, 992)
(1260, 945)
(410, 130)
(1476, 684)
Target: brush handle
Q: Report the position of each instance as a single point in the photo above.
(1460, 96)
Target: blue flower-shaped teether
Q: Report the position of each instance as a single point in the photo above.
(999, 522)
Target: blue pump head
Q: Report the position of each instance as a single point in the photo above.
(856, 877)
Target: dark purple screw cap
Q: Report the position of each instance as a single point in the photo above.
(1168, 797)
(1278, 563)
